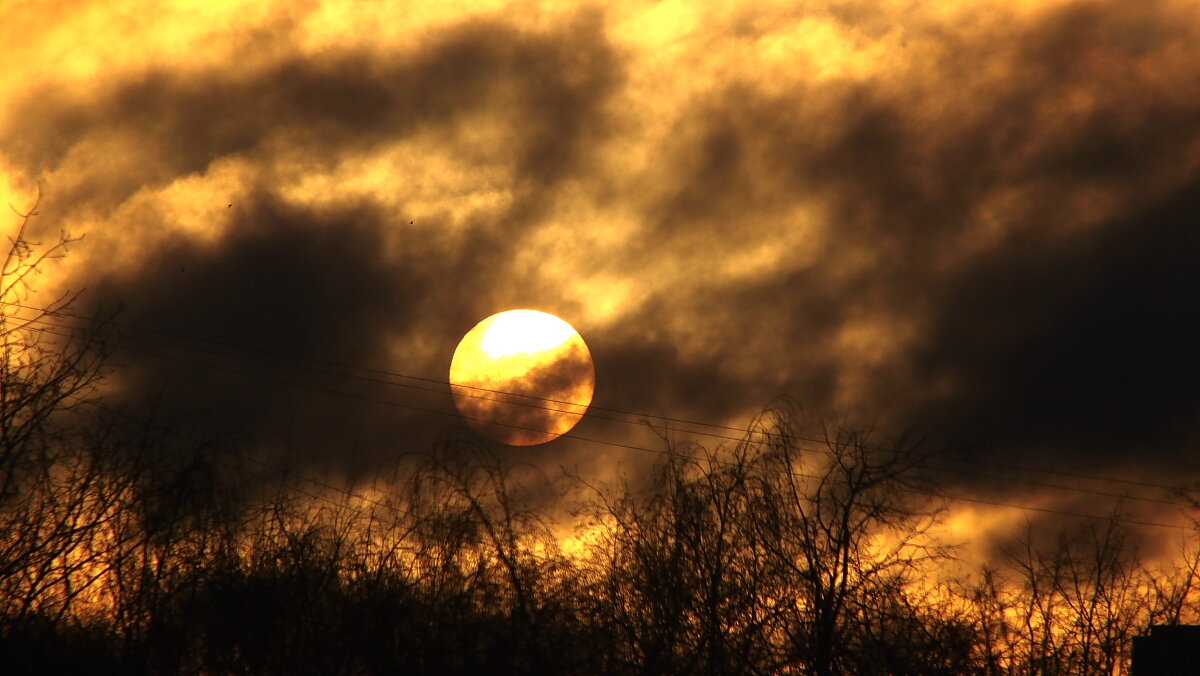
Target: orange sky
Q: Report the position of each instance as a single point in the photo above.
(969, 218)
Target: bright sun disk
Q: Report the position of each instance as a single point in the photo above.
(524, 332)
(522, 377)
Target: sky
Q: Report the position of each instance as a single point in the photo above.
(973, 219)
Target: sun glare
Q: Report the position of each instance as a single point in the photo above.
(524, 332)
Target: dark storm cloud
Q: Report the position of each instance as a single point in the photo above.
(1066, 329)
(344, 283)
(999, 218)
(282, 282)
(1085, 344)
(1073, 340)
(658, 377)
(280, 279)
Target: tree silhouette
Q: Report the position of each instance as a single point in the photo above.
(768, 558)
(138, 544)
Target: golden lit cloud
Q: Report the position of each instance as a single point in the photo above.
(905, 209)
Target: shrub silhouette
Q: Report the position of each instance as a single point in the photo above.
(130, 545)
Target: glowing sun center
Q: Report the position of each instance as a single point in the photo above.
(524, 331)
(522, 377)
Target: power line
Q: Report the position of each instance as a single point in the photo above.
(591, 408)
(395, 374)
(743, 432)
(569, 435)
(1120, 496)
(575, 436)
(527, 404)
(361, 397)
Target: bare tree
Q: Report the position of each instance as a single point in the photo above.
(846, 531)
(47, 368)
(680, 569)
(51, 502)
(1072, 605)
(478, 520)
(768, 557)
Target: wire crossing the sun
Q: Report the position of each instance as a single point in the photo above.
(640, 417)
(744, 433)
(404, 512)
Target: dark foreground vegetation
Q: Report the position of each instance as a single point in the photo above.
(130, 546)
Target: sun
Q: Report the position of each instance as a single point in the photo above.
(522, 377)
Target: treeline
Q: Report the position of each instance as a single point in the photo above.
(125, 552)
(133, 546)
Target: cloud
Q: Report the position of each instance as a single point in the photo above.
(1082, 345)
(287, 269)
(973, 221)
(992, 236)
(547, 91)
(281, 283)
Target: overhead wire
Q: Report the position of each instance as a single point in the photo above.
(720, 436)
(432, 381)
(591, 409)
(958, 498)
(572, 435)
(530, 400)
